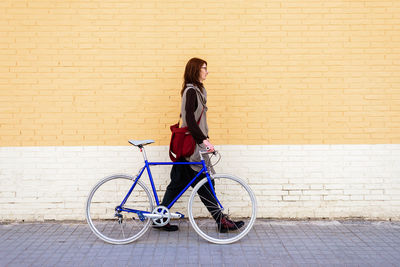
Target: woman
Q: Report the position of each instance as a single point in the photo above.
(193, 112)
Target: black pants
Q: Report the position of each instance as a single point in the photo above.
(181, 175)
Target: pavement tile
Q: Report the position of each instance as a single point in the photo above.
(270, 243)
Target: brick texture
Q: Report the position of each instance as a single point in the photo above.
(289, 181)
(281, 72)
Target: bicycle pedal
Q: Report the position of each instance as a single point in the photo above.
(141, 216)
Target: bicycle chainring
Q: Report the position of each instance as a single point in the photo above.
(164, 211)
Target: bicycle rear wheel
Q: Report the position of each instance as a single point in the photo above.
(238, 202)
(118, 227)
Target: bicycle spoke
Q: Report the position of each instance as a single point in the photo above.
(207, 200)
(209, 192)
(207, 206)
(122, 229)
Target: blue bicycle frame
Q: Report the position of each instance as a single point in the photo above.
(147, 167)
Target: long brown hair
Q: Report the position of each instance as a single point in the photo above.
(192, 73)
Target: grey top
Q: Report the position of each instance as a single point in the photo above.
(202, 103)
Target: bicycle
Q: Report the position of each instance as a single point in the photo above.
(120, 208)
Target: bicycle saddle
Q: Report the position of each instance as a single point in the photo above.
(141, 142)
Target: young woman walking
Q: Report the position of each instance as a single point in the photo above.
(194, 116)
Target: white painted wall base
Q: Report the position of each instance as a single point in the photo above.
(290, 181)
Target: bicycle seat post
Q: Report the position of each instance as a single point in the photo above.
(143, 152)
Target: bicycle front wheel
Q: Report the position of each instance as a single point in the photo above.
(118, 227)
(238, 207)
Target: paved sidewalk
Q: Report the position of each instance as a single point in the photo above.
(270, 243)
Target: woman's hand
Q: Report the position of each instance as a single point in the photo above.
(209, 146)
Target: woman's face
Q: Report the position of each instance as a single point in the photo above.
(203, 73)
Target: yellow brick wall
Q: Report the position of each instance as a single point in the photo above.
(281, 72)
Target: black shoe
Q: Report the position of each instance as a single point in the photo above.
(226, 225)
(168, 227)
